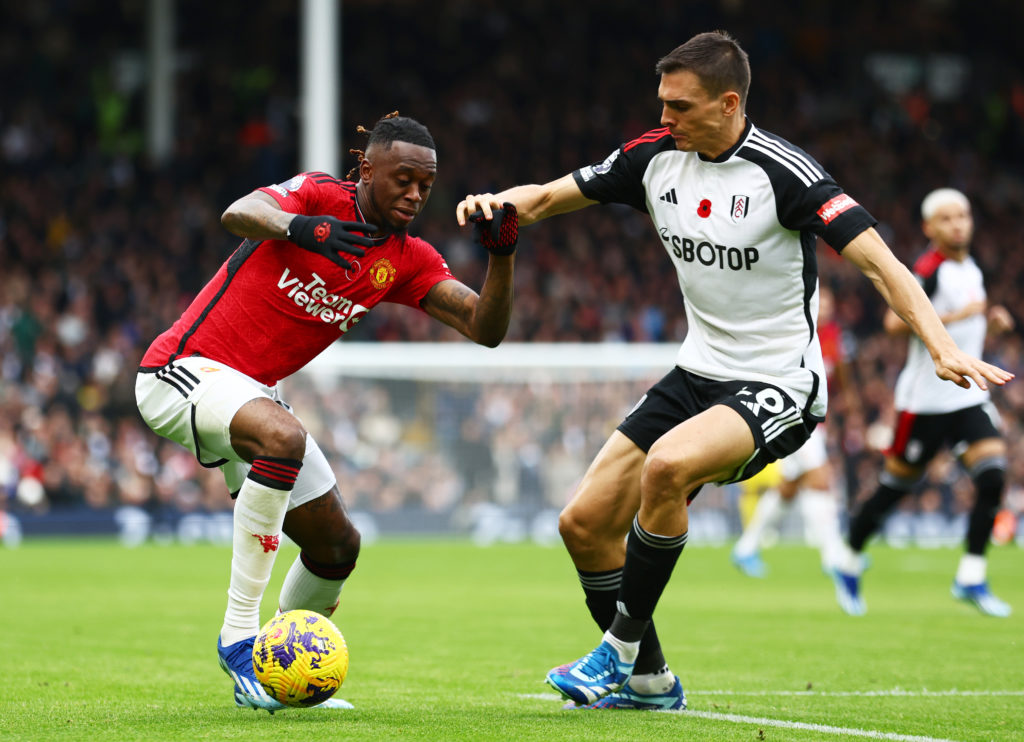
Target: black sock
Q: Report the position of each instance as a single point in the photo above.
(988, 487)
(872, 515)
(651, 658)
(650, 559)
(602, 591)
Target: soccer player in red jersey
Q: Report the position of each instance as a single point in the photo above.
(311, 264)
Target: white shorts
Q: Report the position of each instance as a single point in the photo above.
(810, 456)
(191, 401)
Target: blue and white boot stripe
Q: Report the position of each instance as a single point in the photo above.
(252, 693)
(253, 689)
(593, 693)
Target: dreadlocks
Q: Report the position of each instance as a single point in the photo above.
(392, 128)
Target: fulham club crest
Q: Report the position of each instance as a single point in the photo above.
(739, 207)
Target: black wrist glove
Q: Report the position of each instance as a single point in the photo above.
(499, 235)
(328, 236)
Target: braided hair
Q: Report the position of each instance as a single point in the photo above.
(392, 128)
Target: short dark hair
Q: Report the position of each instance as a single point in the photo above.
(716, 58)
(389, 129)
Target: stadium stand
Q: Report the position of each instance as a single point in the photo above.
(101, 249)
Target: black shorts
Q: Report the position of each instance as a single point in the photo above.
(918, 438)
(779, 426)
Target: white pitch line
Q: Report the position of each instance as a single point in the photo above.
(821, 728)
(894, 692)
(804, 726)
(890, 692)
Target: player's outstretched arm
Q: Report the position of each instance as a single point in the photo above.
(534, 202)
(906, 297)
(483, 317)
(896, 326)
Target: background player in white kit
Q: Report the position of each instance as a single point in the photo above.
(738, 210)
(807, 476)
(301, 279)
(932, 415)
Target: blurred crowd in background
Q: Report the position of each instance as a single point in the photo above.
(102, 249)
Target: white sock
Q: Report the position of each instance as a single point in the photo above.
(627, 650)
(258, 517)
(971, 570)
(820, 512)
(305, 590)
(653, 683)
(849, 561)
(768, 513)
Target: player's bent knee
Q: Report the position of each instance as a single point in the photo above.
(263, 428)
(571, 529)
(285, 441)
(665, 478)
(579, 532)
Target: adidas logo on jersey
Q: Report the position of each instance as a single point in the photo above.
(669, 197)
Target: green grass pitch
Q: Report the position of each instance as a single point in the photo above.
(450, 641)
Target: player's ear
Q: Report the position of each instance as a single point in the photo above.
(365, 170)
(730, 102)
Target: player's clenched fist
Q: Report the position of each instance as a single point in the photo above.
(329, 236)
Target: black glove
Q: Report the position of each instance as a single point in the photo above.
(499, 235)
(329, 236)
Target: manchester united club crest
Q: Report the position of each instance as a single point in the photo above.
(382, 274)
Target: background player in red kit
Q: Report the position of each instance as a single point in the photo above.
(302, 277)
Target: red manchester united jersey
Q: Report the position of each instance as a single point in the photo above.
(273, 307)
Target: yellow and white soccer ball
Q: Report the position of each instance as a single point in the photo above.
(300, 658)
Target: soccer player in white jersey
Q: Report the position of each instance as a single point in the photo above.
(739, 211)
(932, 415)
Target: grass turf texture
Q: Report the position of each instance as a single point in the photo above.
(451, 642)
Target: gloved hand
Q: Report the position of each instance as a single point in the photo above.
(499, 235)
(329, 236)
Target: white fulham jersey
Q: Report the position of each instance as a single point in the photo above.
(951, 285)
(741, 231)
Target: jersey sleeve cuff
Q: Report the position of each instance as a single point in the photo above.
(274, 193)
